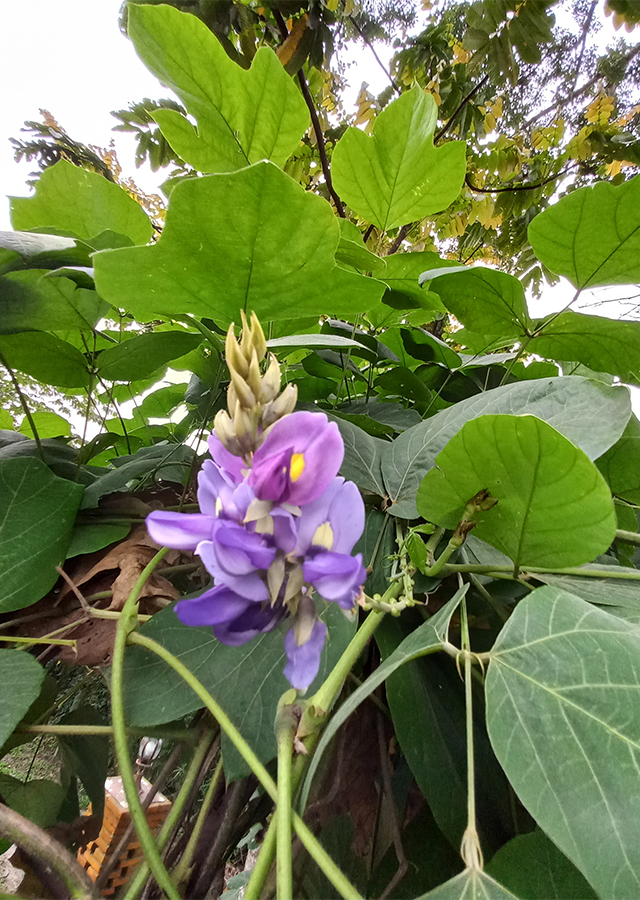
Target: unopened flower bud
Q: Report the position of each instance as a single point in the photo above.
(271, 381)
(253, 377)
(244, 393)
(223, 427)
(243, 423)
(281, 406)
(275, 577)
(306, 618)
(258, 341)
(294, 582)
(233, 354)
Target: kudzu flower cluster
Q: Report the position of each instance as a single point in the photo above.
(277, 524)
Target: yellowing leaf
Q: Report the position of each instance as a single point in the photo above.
(600, 110)
(286, 50)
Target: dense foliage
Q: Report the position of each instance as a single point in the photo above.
(472, 730)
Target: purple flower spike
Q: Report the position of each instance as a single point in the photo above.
(299, 459)
(212, 608)
(182, 531)
(304, 662)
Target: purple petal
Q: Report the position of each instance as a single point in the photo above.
(269, 478)
(182, 531)
(211, 481)
(284, 530)
(231, 464)
(303, 662)
(239, 551)
(214, 607)
(256, 620)
(250, 585)
(336, 576)
(342, 507)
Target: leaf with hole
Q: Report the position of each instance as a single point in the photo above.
(554, 508)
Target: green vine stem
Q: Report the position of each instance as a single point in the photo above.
(631, 537)
(470, 850)
(127, 622)
(312, 845)
(37, 843)
(478, 569)
(286, 723)
(142, 872)
(181, 871)
(173, 734)
(263, 863)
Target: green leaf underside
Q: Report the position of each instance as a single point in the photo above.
(472, 884)
(590, 414)
(604, 345)
(620, 465)
(428, 638)
(243, 116)
(246, 681)
(25, 675)
(38, 511)
(490, 302)
(83, 203)
(554, 508)
(143, 355)
(45, 357)
(564, 720)
(235, 232)
(29, 300)
(396, 175)
(592, 236)
(616, 596)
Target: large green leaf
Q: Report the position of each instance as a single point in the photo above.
(236, 232)
(26, 250)
(592, 236)
(242, 116)
(472, 884)
(620, 465)
(362, 457)
(45, 357)
(404, 293)
(554, 507)
(38, 510)
(87, 754)
(30, 300)
(564, 721)
(588, 413)
(246, 681)
(82, 203)
(396, 175)
(486, 300)
(604, 345)
(144, 354)
(25, 675)
(38, 800)
(617, 596)
(428, 638)
(534, 869)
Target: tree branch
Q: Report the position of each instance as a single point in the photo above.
(404, 231)
(375, 55)
(459, 108)
(517, 187)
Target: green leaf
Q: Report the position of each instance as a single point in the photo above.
(533, 868)
(82, 203)
(41, 251)
(38, 511)
(243, 116)
(38, 800)
(590, 414)
(617, 596)
(25, 675)
(620, 465)
(315, 341)
(236, 232)
(350, 253)
(472, 884)
(45, 357)
(396, 175)
(144, 354)
(426, 639)
(362, 457)
(489, 301)
(48, 425)
(554, 508)
(592, 236)
(563, 718)
(604, 345)
(30, 301)
(87, 754)
(89, 538)
(246, 681)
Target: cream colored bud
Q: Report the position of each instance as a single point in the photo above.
(305, 620)
(281, 406)
(270, 384)
(294, 582)
(275, 577)
(235, 358)
(258, 341)
(243, 423)
(223, 427)
(232, 399)
(253, 377)
(244, 393)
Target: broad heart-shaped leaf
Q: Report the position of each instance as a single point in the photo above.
(532, 866)
(253, 239)
(143, 355)
(396, 175)
(82, 203)
(404, 293)
(31, 301)
(620, 465)
(243, 116)
(491, 302)
(554, 507)
(362, 457)
(617, 595)
(428, 638)
(45, 357)
(38, 800)
(38, 511)
(604, 345)
(592, 236)
(472, 884)
(23, 675)
(590, 414)
(246, 681)
(564, 721)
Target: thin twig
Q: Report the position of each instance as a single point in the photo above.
(375, 55)
(583, 41)
(440, 134)
(76, 590)
(404, 231)
(517, 187)
(23, 403)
